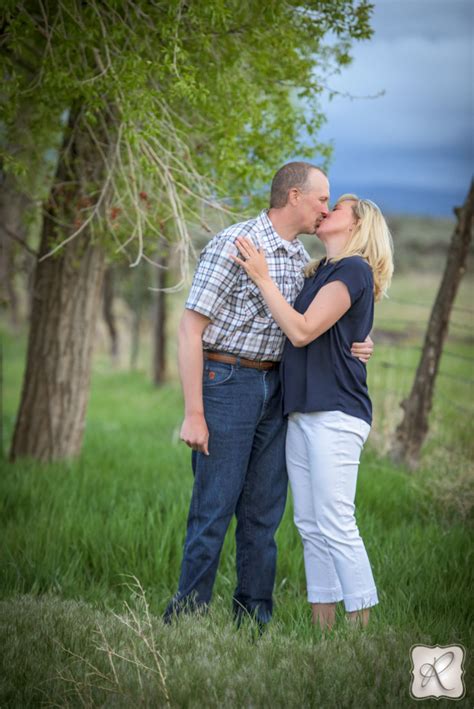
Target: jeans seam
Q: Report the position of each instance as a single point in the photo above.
(243, 579)
(195, 505)
(264, 402)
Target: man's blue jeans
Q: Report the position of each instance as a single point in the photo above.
(245, 475)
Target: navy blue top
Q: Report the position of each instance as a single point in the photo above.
(324, 375)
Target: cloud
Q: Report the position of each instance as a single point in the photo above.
(433, 19)
(428, 93)
(418, 137)
(420, 168)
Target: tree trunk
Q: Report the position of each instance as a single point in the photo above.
(2, 450)
(108, 312)
(411, 432)
(159, 325)
(13, 205)
(67, 286)
(136, 304)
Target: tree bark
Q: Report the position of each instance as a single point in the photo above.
(13, 205)
(108, 312)
(159, 325)
(67, 286)
(136, 304)
(411, 432)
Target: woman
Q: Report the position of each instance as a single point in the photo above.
(326, 399)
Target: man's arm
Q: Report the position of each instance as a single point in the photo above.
(194, 431)
(363, 350)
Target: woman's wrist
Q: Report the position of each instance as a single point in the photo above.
(263, 281)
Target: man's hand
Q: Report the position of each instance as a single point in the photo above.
(363, 350)
(195, 434)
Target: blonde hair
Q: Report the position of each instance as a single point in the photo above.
(371, 240)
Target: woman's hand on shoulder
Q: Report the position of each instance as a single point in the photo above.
(253, 261)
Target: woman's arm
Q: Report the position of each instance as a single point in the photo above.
(329, 305)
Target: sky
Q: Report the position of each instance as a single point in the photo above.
(410, 150)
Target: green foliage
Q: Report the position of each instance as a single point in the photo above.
(180, 100)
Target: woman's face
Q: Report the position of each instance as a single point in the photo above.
(340, 220)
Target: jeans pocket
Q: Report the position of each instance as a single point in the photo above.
(216, 373)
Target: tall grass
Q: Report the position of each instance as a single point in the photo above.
(77, 630)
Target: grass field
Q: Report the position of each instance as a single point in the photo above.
(90, 550)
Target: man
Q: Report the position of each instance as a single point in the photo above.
(229, 350)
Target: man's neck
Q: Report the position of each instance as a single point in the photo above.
(282, 225)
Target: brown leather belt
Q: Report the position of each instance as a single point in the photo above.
(231, 359)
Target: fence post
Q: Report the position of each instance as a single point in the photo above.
(413, 428)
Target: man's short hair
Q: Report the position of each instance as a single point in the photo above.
(293, 174)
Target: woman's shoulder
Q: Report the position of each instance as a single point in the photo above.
(356, 265)
(356, 273)
(355, 261)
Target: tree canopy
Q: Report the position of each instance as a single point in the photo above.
(182, 102)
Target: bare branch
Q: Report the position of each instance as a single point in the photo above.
(21, 241)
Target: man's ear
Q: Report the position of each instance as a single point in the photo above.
(293, 195)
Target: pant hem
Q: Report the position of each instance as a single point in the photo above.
(324, 596)
(358, 603)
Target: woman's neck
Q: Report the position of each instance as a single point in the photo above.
(335, 245)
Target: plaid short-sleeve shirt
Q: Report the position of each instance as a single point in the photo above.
(241, 323)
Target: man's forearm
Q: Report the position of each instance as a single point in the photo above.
(190, 361)
(194, 431)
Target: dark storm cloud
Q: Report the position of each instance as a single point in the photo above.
(420, 131)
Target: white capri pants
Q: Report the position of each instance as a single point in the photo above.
(322, 455)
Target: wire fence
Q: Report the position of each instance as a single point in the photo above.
(391, 373)
(455, 308)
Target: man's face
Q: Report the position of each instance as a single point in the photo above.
(312, 204)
